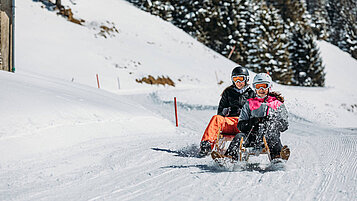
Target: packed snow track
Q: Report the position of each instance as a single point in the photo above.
(165, 166)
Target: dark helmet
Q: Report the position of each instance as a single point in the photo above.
(239, 70)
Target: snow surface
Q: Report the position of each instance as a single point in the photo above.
(62, 138)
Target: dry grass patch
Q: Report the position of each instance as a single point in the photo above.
(67, 13)
(108, 30)
(158, 81)
(64, 12)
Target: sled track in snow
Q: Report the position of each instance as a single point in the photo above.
(328, 156)
(163, 166)
(184, 106)
(339, 168)
(322, 166)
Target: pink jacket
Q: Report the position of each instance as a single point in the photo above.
(271, 102)
(260, 107)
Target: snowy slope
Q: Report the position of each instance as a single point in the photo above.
(46, 115)
(145, 45)
(64, 139)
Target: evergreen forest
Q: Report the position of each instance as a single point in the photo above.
(275, 36)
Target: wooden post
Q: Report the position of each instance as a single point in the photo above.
(6, 34)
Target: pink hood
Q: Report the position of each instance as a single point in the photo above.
(272, 102)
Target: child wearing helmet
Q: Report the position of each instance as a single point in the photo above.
(265, 115)
(232, 100)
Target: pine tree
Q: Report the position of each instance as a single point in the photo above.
(307, 63)
(274, 55)
(342, 16)
(303, 54)
(246, 35)
(289, 10)
(259, 34)
(185, 16)
(352, 40)
(319, 19)
(338, 36)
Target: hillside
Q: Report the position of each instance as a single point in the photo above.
(65, 139)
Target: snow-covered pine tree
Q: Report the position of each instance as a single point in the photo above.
(246, 35)
(274, 55)
(209, 26)
(223, 24)
(342, 16)
(289, 10)
(163, 9)
(351, 29)
(228, 13)
(337, 29)
(307, 63)
(352, 40)
(185, 15)
(319, 18)
(305, 59)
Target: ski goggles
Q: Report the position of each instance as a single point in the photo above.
(239, 78)
(262, 85)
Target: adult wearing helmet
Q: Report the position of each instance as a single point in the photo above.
(232, 100)
(265, 115)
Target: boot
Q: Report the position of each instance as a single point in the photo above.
(285, 153)
(233, 149)
(205, 148)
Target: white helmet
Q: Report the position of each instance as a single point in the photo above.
(262, 78)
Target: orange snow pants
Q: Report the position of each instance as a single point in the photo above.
(227, 125)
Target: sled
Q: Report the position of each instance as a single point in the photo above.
(256, 150)
(222, 144)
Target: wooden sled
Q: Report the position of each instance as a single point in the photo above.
(222, 144)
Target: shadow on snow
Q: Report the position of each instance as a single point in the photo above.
(189, 151)
(234, 167)
(192, 152)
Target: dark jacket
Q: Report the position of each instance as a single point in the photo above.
(233, 99)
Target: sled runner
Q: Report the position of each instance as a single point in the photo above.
(223, 141)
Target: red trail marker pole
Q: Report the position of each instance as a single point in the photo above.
(98, 81)
(230, 54)
(176, 111)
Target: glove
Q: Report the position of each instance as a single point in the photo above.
(254, 123)
(226, 111)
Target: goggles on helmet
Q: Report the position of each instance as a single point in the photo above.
(239, 78)
(261, 85)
